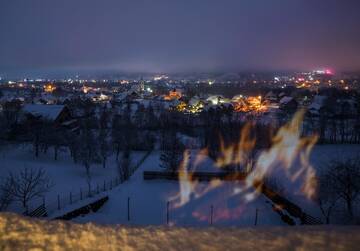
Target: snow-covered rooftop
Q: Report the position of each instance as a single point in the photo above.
(317, 103)
(46, 111)
(285, 100)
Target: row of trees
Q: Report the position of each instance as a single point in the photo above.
(339, 191)
(338, 118)
(337, 122)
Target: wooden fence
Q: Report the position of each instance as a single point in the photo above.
(200, 176)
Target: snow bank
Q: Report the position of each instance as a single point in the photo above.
(19, 233)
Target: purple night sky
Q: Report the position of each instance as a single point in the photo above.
(178, 35)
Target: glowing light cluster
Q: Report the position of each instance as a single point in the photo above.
(248, 104)
(49, 88)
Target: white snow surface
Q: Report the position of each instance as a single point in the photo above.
(148, 199)
(20, 233)
(65, 175)
(148, 204)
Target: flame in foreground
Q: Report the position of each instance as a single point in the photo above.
(289, 154)
(187, 185)
(236, 154)
(287, 158)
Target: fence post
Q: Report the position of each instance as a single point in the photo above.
(256, 216)
(110, 184)
(211, 214)
(70, 198)
(104, 186)
(58, 199)
(80, 194)
(128, 208)
(167, 212)
(97, 188)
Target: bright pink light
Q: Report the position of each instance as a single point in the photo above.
(329, 72)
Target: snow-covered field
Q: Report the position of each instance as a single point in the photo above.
(148, 204)
(148, 199)
(19, 233)
(65, 175)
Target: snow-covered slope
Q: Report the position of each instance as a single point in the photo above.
(148, 204)
(19, 233)
(64, 174)
(148, 199)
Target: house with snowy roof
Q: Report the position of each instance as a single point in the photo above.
(55, 113)
(317, 104)
(288, 104)
(271, 97)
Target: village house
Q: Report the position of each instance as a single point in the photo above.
(57, 114)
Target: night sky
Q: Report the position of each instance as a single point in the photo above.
(178, 35)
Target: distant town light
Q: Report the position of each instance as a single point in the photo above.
(49, 88)
(329, 72)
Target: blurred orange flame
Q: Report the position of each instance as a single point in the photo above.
(289, 154)
(236, 154)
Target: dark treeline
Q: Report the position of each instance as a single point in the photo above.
(337, 120)
(98, 130)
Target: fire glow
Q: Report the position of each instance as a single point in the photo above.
(288, 158)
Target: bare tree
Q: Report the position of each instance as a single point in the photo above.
(344, 178)
(11, 112)
(104, 144)
(28, 184)
(5, 194)
(327, 197)
(124, 165)
(55, 137)
(88, 150)
(172, 155)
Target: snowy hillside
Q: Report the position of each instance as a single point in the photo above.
(148, 199)
(64, 175)
(148, 203)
